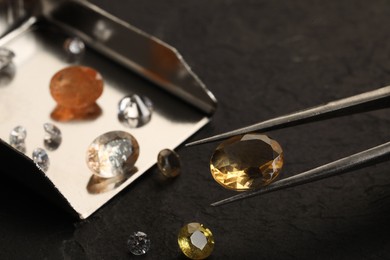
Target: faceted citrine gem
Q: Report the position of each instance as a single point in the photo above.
(76, 89)
(246, 162)
(196, 241)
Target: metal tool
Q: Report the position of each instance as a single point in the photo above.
(376, 99)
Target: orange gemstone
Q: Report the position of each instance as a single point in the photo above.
(76, 89)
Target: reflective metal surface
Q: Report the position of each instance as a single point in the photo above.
(135, 49)
(25, 100)
(14, 12)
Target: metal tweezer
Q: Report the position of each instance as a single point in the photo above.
(372, 100)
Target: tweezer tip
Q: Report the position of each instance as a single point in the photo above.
(210, 139)
(197, 142)
(228, 200)
(216, 204)
(191, 144)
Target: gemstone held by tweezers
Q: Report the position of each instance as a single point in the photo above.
(246, 162)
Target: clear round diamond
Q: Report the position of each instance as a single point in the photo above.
(6, 56)
(17, 138)
(138, 243)
(74, 46)
(112, 154)
(53, 137)
(41, 159)
(135, 111)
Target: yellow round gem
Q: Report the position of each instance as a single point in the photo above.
(196, 241)
(246, 162)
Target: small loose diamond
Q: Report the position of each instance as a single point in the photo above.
(246, 162)
(52, 138)
(6, 56)
(102, 31)
(41, 159)
(196, 241)
(135, 111)
(138, 243)
(112, 154)
(17, 138)
(168, 162)
(74, 46)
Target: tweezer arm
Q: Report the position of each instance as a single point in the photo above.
(375, 99)
(356, 161)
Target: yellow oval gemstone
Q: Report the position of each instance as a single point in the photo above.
(246, 162)
(196, 241)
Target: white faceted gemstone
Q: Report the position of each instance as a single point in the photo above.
(17, 138)
(74, 46)
(41, 159)
(19, 133)
(198, 239)
(135, 111)
(102, 31)
(138, 243)
(112, 154)
(53, 137)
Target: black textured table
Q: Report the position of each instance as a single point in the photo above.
(261, 59)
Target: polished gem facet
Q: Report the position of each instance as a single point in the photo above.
(112, 154)
(17, 138)
(168, 162)
(74, 46)
(246, 162)
(52, 138)
(6, 56)
(75, 89)
(196, 241)
(134, 110)
(138, 243)
(41, 159)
